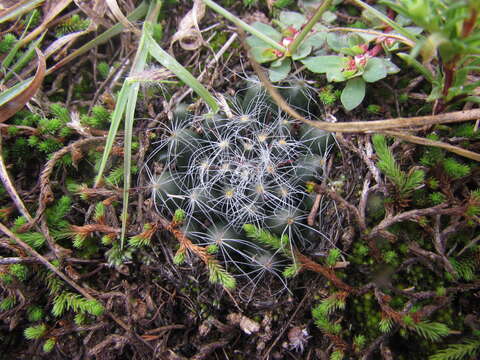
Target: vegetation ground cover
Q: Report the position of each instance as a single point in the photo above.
(225, 180)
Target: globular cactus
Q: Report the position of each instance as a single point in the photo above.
(250, 167)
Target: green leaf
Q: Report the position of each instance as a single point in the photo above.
(279, 70)
(292, 18)
(428, 47)
(329, 17)
(325, 63)
(263, 54)
(267, 30)
(375, 70)
(410, 60)
(353, 93)
(390, 66)
(174, 66)
(316, 40)
(302, 51)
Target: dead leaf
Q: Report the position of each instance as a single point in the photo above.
(65, 40)
(7, 4)
(11, 107)
(247, 325)
(113, 6)
(95, 12)
(55, 8)
(188, 33)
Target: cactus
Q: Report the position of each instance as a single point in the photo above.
(245, 168)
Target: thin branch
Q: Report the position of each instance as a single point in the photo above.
(427, 142)
(7, 183)
(46, 194)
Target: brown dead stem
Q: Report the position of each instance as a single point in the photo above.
(46, 194)
(87, 230)
(328, 273)
(384, 126)
(185, 242)
(69, 281)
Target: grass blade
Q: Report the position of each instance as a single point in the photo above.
(240, 23)
(127, 154)
(14, 99)
(136, 14)
(387, 20)
(112, 132)
(18, 10)
(174, 66)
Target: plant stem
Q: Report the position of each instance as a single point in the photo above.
(386, 20)
(310, 24)
(242, 24)
(116, 29)
(376, 33)
(174, 66)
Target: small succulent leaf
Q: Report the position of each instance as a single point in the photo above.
(436, 93)
(336, 75)
(367, 37)
(390, 66)
(267, 30)
(329, 17)
(302, 51)
(316, 40)
(353, 93)
(344, 44)
(279, 70)
(292, 18)
(325, 64)
(336, 41)
(261, 51)
(375, 70)
(263, 55)
(320, 28)
(357, 50)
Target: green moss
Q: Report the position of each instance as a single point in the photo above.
(103, 69)
(49, 145)
(73, 24)
(455, 169)
(7, 43)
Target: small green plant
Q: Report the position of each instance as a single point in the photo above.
(437, 198)
(35, 332)
(333, 256)
(451, 36)
(7, 43)
(73, 24)
(328, 96)
(468, 349)
(385, 325)
(35, 313)
(20, 271)
(455, 169)
(405, 183)
(432, 331)
(321, 314)
(8, 303)
(357, 63)
(144, 238)
(100, 118)
(49, 345)
(70, 301)
(103, 69)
